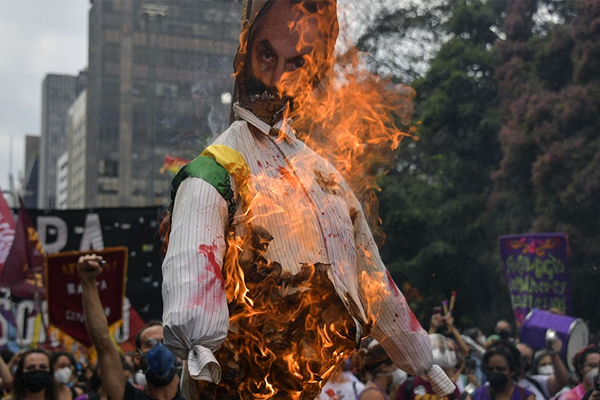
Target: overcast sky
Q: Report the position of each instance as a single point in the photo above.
(38, 37)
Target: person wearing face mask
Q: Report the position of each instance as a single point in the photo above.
(586, 363)
(543, 386)
(594, 394)
(33, 378)
(542, 363)
(502, 365)
(63, 365)
(156, 361)
(503, 330)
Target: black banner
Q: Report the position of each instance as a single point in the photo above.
(94, 229)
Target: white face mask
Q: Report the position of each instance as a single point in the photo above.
(398, 377)
(140, 378)
(446, 359)
(546, 370)
(589, 377)
(63, 375)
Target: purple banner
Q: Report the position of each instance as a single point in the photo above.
(537, 272)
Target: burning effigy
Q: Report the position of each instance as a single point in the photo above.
(272, 276)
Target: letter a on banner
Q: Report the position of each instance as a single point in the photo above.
(23, 272)
(7, 230)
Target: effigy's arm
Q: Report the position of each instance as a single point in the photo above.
(394, 324)
(195, 313)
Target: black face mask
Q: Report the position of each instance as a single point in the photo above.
(504, 335)
(36, 381)
(497, 380)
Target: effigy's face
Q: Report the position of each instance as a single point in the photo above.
(281, 52)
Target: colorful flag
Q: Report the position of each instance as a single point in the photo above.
(23, 272)
(173, 164)
(7, 230)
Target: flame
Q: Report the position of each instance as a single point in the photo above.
(287, 332)
(353, 118)
(290, 331)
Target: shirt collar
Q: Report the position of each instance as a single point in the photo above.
(281, 127)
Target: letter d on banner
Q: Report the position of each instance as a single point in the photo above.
(56, 226)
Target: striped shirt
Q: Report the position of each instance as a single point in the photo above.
(313, 217)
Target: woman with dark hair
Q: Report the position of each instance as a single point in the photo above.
(34, 377)
(586, 363)
(502, 364)
(63, 365)
(382, 374)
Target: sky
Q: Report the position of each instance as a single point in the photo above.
(39, 37)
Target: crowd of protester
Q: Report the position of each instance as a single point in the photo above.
(494, 367)
(497, 367)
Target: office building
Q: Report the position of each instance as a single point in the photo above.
(58, 92)
(29, 186)
(158, 72)
(77, 136)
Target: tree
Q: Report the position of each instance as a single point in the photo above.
(434, 206)
(550, 98)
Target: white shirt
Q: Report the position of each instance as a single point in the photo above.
(542, 380)
(314, 217)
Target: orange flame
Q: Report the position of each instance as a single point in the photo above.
(289, 332)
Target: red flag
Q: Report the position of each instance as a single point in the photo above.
(23, 272)
(65, 309)
(7, 230)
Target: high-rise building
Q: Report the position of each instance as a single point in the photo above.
(158, 71)
(58, 92)
(29, 187)
(62, 181)
(77, 136)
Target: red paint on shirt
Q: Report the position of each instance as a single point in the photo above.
(415, 326)
(392, 285)
(209, 253)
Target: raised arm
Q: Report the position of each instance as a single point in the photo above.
(89, 268)
(561, 375)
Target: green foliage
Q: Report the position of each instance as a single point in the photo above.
(508, 144)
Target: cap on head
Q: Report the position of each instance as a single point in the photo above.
(160, 360)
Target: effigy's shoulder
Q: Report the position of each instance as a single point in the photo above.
(235, 136)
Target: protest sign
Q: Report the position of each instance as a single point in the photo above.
(65, 308)
(537, 272)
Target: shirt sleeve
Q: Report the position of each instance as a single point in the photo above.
(195, 314)
(394, 324)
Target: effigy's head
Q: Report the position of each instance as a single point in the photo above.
(286, 47)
